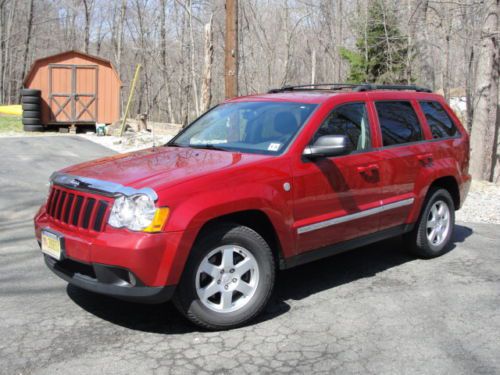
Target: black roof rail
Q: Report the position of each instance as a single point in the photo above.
(371, 87)
(353, 87)
(315, 86)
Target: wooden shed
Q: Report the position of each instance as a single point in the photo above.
(77, 88)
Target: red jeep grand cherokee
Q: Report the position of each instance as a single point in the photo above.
(256, 184)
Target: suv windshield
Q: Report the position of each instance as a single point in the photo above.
(256, 127)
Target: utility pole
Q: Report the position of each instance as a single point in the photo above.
(231, 50)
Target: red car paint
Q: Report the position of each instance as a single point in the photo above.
(199, 185)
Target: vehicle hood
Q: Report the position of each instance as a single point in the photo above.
(160, 167)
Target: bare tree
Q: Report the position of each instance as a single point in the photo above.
(164, 65)
(88, 9)
(231, 49)
(206, 87)
(486, 122)
(26, 44)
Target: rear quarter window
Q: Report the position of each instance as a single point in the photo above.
(440, 123)
(398, 122)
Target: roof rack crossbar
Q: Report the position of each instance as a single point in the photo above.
(353, 87)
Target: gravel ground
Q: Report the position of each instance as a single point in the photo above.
(129, 142)
(482, 204)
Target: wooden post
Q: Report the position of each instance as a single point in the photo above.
(130, 95)
(231, 49)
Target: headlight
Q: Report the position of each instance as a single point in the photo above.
(137, 212)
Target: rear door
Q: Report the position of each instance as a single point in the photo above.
(402, 155)
(337, 198)
(85, 99)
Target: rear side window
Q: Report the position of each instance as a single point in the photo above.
(441, 124)
(398, 122)
(350, 120)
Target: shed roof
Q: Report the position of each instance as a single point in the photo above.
(61, 55)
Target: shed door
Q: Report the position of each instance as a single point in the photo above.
(73, 93)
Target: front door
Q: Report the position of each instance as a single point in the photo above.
(73, 93)
(337, 198)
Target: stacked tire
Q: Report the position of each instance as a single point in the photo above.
(32, 111)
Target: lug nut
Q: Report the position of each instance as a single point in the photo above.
(234, 280)
(225, 287)
(231, 270)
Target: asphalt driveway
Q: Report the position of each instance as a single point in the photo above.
(373, 310)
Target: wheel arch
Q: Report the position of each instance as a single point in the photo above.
(255, 219)
(450, 184)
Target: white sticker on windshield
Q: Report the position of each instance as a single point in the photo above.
(274, 147)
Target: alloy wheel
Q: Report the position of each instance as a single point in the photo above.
(227, 278)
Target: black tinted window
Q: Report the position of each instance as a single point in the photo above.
(398, 123)
(440, 123)
(350, 120)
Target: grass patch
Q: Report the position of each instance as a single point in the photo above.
(10, 124)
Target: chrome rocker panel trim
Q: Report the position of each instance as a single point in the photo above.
(92, 185)
(357, 215)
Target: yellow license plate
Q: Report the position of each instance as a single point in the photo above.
(51, 244)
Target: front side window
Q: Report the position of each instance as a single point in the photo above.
(398, 122)
(255, 127)
(440, 123)
(350, 120)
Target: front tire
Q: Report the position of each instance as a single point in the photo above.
(228, 278)
(434, 230)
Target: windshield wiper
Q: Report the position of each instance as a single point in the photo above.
(208, 147)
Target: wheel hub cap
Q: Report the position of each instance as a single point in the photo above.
(227, 278)
(438, 223)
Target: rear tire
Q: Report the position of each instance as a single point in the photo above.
(228, 278)
(30, 92)
(30, 99)
(32, 114)
(31, 107)
(31, 121)
(433, 231)
(33, 128)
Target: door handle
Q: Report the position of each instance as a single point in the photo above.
(425, 159)
(371, 168)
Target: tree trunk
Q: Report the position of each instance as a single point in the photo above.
(339, 37)
(313, 67)
(192, 62)
(164, 68)
(26, 46)
(231, 49)
(484, 134)
(206, 87)
(86, 34)
(119, 42)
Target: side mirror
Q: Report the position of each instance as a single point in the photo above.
(327, 145)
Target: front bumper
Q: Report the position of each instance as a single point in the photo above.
(111, 281)
(129, 265)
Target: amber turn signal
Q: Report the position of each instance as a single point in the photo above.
(160, 218)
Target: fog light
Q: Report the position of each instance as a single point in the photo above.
(132, 279)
